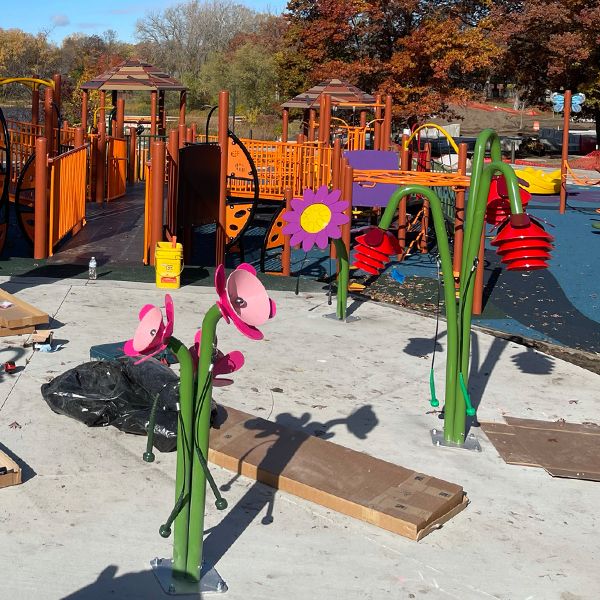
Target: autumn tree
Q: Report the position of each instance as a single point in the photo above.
(550, 45)
(183, 37)
(424, 53)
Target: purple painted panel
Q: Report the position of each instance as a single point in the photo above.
(375, 194)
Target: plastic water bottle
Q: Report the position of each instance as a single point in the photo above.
(92, 268)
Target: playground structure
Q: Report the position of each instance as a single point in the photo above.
(246, 183)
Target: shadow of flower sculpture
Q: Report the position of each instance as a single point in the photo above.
(244, 302)
(522, 244)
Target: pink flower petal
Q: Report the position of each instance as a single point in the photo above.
(298, 237)
(308, 242)
(297, 204)
(338, 219)
(322, 239)
(291, 228)
(291, 216)
(339, 207)
(247, 267)
(332, 197)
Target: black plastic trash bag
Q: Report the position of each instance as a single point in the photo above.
(119, 393)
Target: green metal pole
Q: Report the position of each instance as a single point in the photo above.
(184, 455)
(487, 136)
(200, 435)
(343, 277)
(473, 229)
(449, 292)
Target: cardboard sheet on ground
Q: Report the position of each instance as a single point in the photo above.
(397, 499)
(20, 317)
(562, 449)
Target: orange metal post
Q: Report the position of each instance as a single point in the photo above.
(459, 216)
(84, 109)
(132, 155)
(120, 127)
(100, 167)
(79, 137)
(157, 156)
(337, 166)
(404, 166)
(181, 132)
(377, 125)
(285, 124)
(162, 115)
(322, 118)
(182, 101)
(565, 153)
(102, 114)
(348, 179)
(153, 111)
(363, 118)
(194, 132)
(57, 90)
(312, 113)
(335, 163)
(40, 242)
(35, 105)
(48, 119)
(325, 120)
(387, 124)
(189, 135)
(478, 290)
(174, 143)
(423, 242)
(286, 253)
(223, 142)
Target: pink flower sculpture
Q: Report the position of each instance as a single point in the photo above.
(152, 334)
(315, 218)
(223, 364)
(244, 300)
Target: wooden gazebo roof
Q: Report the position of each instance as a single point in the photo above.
(342, 94)
(134, 75)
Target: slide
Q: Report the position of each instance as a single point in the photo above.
(538, 181)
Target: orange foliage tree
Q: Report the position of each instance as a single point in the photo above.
(425, 53)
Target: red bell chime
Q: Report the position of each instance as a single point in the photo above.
(373, 250)
(523, 244)
(498, 206)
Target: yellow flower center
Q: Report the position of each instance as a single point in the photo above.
(315, 218)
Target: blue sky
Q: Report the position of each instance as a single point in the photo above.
(61, 18)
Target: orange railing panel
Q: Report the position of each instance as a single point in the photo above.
(67, 195)
(117, 168)
(22, 144)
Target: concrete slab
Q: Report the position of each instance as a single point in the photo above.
(84, 524)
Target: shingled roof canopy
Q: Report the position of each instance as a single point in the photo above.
(341, 92)
(132, 75)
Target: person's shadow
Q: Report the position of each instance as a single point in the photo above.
(285, 436)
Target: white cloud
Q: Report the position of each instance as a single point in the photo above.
(60, 20)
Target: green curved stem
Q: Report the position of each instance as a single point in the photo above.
(200, 435)
(449, 292)
(184, 454)
(343, 277)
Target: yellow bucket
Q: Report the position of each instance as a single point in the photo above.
(168, 263)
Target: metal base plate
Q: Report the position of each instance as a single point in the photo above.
(470, 443)
(348, 319)
(210, 582)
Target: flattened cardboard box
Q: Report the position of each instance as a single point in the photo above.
(10, 472)
(386, 495)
